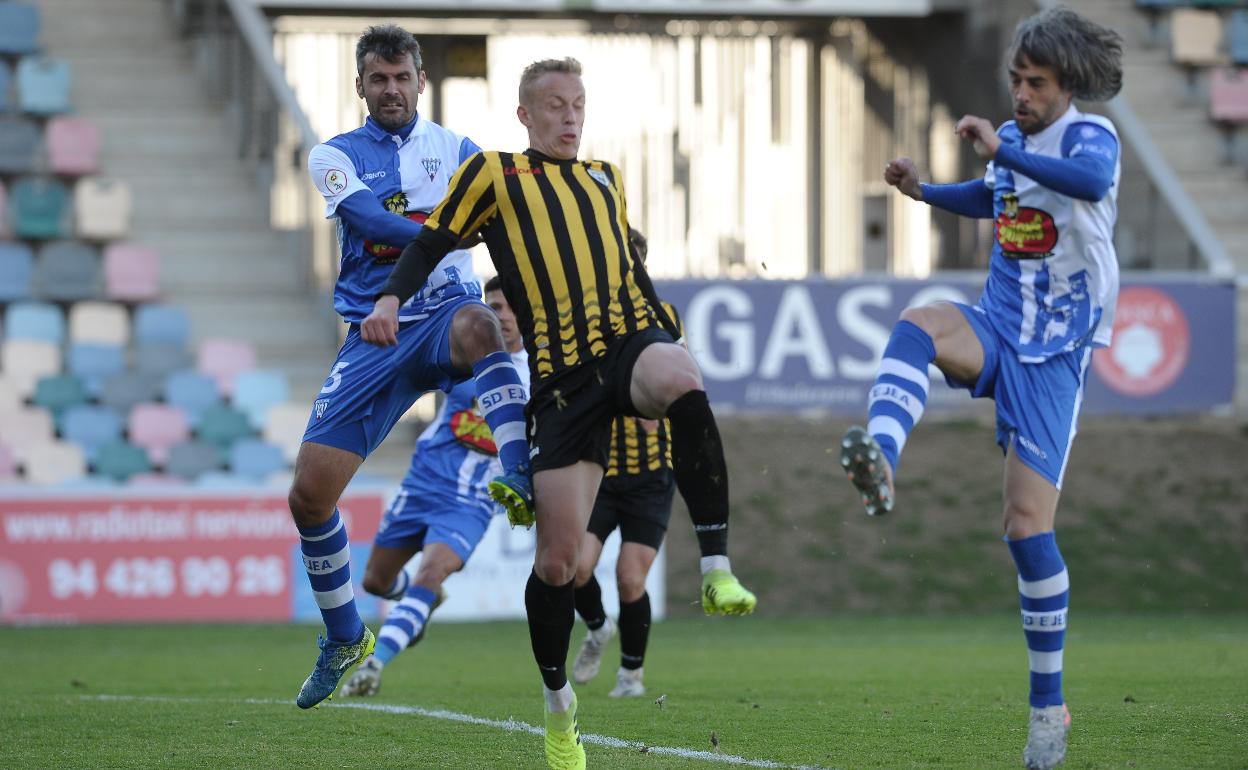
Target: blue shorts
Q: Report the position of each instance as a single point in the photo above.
(417, 518)
(1037, 403)
(369, 388)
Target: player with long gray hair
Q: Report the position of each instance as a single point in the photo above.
(1051, 186)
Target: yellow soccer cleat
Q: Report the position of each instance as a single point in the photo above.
(514, 492)
(723, 594)
(563, 740)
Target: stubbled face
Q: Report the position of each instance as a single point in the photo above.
(1038, 98)
(555, 114)
(390, 89)
(506, 320)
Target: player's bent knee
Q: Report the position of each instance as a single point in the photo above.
(376, 583)
(555, 568)
(631, 587)
(305, 507)
(476, 333)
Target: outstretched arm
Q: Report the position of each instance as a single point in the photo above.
(968, 199)
(1086, 176)
(417, 262)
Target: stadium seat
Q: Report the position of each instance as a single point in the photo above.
(73, 146)
(131, 272)
(221, 426)
(126, 389)
(106, 323)
(256, 391)
(193, 392)
(162, 324)
(191, 459)
(1196, 38)
(38, 207)
(19, 145)
(54, 463)
(1237, 38)
(26, 426)
(150, 479)
(10, 397)
(67, 271)
(91, 427)
(19, 28)
(224, 359)
(121, 460)
(222, 480)
(256, 459)
(102, 209)
(17, 266)
(4, 210)
(157, 428)
(6, 79)
(285, 426)
(34, 321)
(8, 465)
(159, 360)
(59, 392)
(1228, 95)
(43, 86)
(95, 363)
(26, 361)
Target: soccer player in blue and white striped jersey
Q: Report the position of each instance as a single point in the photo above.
(1051, 186)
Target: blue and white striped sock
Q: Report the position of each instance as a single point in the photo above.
(501, 399)
(1044, 593)
(399, 587)
(404, 621)
(900, 392)
(327, 559)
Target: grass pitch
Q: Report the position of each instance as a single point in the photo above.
(1158, 691)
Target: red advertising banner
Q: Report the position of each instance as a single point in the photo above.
(130, 555)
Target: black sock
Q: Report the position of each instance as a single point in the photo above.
(700, 470)
(634, 632)
(551, 616)
(589, 604)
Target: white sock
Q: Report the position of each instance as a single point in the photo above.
(558, 701)
(708, 563)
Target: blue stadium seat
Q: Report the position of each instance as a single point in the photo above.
(256, 391)
(191, 459)
(6, 79)
(124, 390)
(91, 427)
(19, 28)
(162, 324)
(119, 460)
(38, 207)
(68, 271)
(17, 265)
(34, 321)
(95, 362)
(255, 459)
(60, 392)
(192, 391)
(158, 360)
(19, 145)
(1237, 38)
(221, 426)
(43, 86)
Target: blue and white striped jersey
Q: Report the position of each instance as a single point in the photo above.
(456, 455)
(1053, 275)
(409, 175)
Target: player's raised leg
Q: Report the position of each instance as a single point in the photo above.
(477, 344)
(666, 382)
(321, 474)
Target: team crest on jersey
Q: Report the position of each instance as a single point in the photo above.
(431, 166)
(1023, 232)
(470, 429)
(600, 177)
(335, 181)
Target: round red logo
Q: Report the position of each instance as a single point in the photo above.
(1150, 346)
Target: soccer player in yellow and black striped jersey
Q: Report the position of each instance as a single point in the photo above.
(599, 346)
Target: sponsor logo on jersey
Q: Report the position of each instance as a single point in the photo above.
(469, 428)
(514, 170)
(1023, 232)
(373, 175)
(431, 166)
(384, 253)
(1151, 343)
(335, 181)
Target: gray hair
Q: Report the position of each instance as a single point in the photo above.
(1086, 56)
(566, 65)
(389, 42)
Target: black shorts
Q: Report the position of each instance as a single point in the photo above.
(569, 414)
(639, 505)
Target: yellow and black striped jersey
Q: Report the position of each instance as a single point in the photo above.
(557, 232)
(634, 450)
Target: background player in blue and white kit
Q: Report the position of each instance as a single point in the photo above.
(442, 510)
(379, 181)
(1051, 186)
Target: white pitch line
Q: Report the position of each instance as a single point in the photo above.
(511, 725)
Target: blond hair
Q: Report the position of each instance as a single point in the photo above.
(529, 77)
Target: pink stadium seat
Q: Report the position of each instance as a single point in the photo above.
(101, 209)
(131, 272)
(54, 463)
(73, 146)
(1228, 95)
(157, 427)
(224, 358)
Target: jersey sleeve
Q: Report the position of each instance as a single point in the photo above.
(470, 201)
(334, 175)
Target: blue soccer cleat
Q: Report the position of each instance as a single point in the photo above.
(331, 664)
(514, 491)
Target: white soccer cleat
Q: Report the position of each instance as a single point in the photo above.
(589, 659)
(1047, 731)
(365, 682)
(628, 684)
